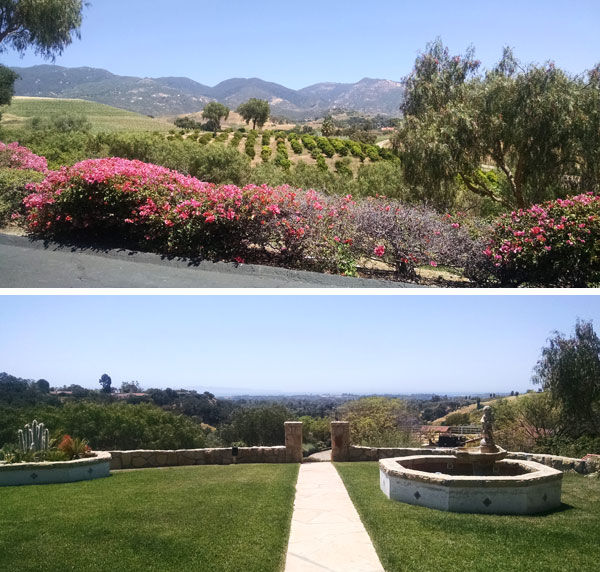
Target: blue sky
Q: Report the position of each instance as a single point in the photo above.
(301, 43)
(335, 344)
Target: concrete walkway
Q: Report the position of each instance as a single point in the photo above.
(327, 534)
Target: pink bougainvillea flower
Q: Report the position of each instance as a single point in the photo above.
(379, 250)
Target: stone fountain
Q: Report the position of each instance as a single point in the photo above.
(472, 479)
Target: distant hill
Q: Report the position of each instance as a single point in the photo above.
(178, 95)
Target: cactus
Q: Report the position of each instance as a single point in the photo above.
(34, 437)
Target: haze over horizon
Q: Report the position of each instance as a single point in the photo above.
(287, 344)
(295, 45)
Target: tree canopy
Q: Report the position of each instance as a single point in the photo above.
(105, 381)
(569, 368)
(514, 135)
(255, 110)
(215, 112)
(47, 26)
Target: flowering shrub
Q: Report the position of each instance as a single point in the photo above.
(16, 157)
(409, 236)
(154, 208)
(552, 244)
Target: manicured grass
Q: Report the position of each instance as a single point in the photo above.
(207, 518)
(421, 539)
(103, 118)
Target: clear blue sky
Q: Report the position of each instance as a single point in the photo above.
(301, 43)
(336, 344)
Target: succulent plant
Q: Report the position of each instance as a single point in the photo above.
(34, 437)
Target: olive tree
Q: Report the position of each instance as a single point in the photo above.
(255, 110)
(215, 112)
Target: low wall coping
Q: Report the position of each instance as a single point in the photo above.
(100, 457)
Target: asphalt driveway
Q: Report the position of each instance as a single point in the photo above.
(26, 263)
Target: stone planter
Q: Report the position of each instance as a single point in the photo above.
(55, 472)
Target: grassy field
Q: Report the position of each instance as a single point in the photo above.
(421, 539)
(103, 118)
(210, 518)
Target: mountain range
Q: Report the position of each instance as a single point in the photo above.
(167, 96)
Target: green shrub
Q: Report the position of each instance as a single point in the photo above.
(321, 164)
(339, 146)
(13, 191)
(282, 149)
(342, 167)
(110, 426)
(325, 146)
(250, 143)
(265, 153)
(355, 149)
(296, 146)
(372, 152)
(219, 164)
(282, 161)
(309, 142)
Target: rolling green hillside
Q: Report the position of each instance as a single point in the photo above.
(103, 118)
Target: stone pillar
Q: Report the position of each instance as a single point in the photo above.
(293, 441)
(340, 441)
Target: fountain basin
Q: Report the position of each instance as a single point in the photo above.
(443, 482)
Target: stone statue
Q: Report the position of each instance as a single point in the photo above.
(487, 435)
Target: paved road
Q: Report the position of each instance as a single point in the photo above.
(33, 264)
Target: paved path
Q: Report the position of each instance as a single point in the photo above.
(320, 457)
(327, 534)
(33, 264)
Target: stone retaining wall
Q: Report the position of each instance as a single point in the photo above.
(144, 458)
(563, 464)
(357, 453)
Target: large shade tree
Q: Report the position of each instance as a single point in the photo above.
(513, 135)
(255, 110)
(215, 112)
(569, 368)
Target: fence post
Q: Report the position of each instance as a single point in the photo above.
(293, 441)
(340, 441)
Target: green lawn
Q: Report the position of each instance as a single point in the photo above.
(203, 518)
(103, 118)
(421, 539)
